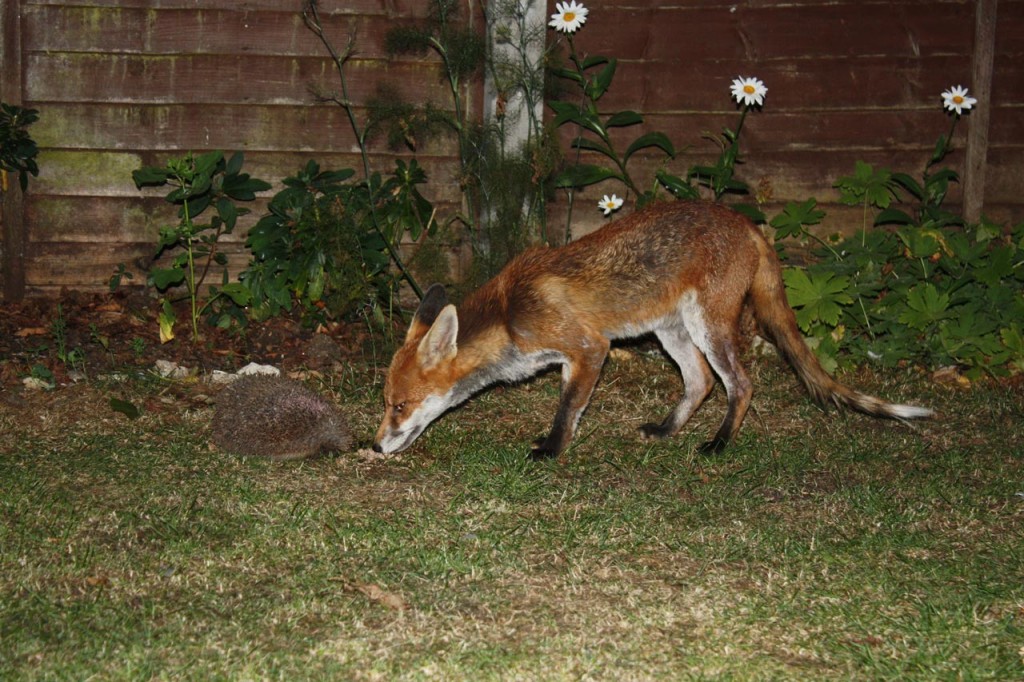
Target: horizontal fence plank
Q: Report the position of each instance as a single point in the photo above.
(379, 8)
(798, 175)
(314, 129)
(855, 82)
(91, 173)
(218, 79)
(188, 30)
(770, 131)
(793, 31)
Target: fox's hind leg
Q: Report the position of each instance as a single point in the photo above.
(697, 381)
(722, 353)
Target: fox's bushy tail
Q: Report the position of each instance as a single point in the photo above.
(776, 318)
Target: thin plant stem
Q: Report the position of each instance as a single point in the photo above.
(570, 191)
(191, 281)
(946, 146)
(311, 17)
(743, 117)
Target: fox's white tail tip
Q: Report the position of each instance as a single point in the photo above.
(912, 412)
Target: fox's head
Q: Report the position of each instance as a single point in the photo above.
(421, 381)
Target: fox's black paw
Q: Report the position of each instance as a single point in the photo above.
(655, 431)
(542, 454)
(713, 446)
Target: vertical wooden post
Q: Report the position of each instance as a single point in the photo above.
(12, 218)
(978, 121)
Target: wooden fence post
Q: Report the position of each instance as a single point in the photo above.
(981, 88)
(12, 218)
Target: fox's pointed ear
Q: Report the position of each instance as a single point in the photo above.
(438, 344)
(433, 301)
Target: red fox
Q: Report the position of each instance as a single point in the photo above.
(684, 270)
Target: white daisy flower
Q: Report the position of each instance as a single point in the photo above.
(569, 17)
(749, 91)
(609, 204)
(956, 99)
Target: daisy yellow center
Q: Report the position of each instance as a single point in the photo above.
(749, 89)
(569, 16)
(957, 99)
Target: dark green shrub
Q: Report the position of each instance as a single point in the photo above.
(320, 248)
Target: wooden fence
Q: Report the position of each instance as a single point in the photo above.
(122, 84)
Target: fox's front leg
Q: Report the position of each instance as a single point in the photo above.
(579, 376)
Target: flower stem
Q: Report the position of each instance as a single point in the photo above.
(743, 117)
(570, 192)
(947, 145)
(191, 260)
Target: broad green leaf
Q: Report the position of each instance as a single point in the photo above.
(206, 164)
(677, 185)
(910, 184)
(791, 222)
(583, 175)
(659, 140)
(1013, 339)
(569, 74)
(228, 212)
(940, 150)
(921, 242)
(893, 216)
(166, 277)
(594, 146)
(148, 176)
(237, 292)
(623, 118)
(596, 88)
(571, 113)
(866, 185)
(999, 265)
(925, 305)
(816, 296)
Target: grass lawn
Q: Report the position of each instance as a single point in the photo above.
(820, 546)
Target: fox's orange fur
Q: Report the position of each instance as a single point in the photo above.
(685, 271)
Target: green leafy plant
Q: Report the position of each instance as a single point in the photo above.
(867, 187)
(592, 76)
(72, 358)
(721, 177)
(504, 180)
(319, 245)
(928, 290)
(138, 347)
(952, 297)
(18, 150)
(43, 375)
(388, 231)
(198, 183)
(461, 50)
(120, 274)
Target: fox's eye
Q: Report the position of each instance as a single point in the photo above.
(399, 407)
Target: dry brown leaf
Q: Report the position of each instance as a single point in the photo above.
(950, 376)
(389, 599)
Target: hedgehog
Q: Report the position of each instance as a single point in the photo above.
(269, 416)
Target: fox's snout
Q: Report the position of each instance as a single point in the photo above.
(390, 441)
